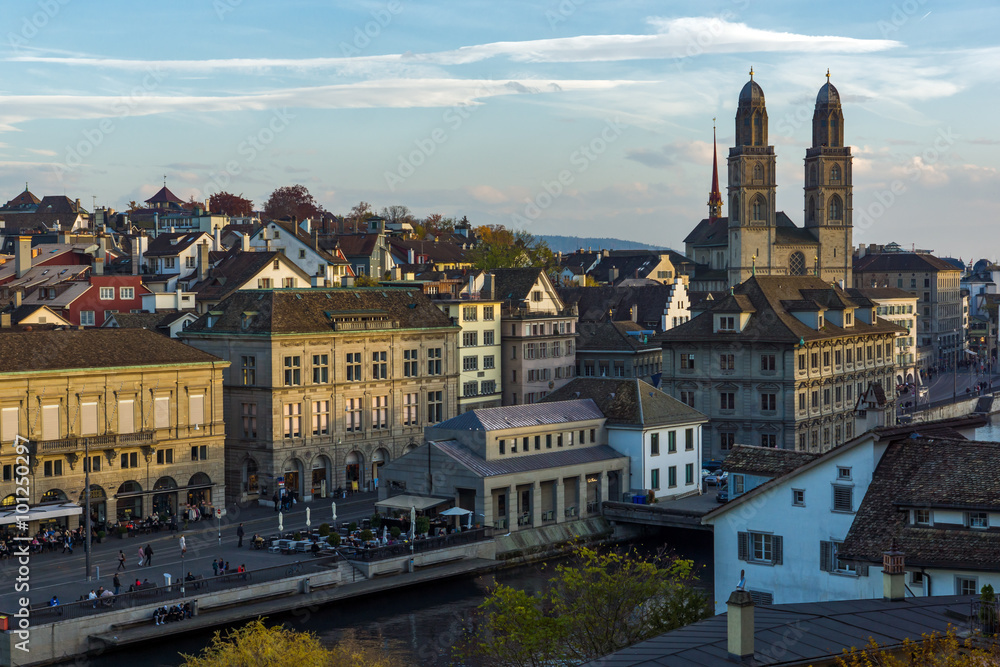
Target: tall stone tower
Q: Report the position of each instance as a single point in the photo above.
(828, 187)
(751, 189)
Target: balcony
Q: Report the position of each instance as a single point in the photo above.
(365, 325)
(96, 442)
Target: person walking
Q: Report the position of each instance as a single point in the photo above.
(239, 534)
(117, 584)
(149, 554)
(121, 560)
(215, 566)
(142, 556)
(183, 546)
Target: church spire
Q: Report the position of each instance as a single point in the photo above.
(714, 197)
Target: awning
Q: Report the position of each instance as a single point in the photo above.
(455, 511)
(41, 513)
(405, 502)
(970, 352)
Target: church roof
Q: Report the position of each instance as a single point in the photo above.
(710, 232)
(164, 196)
(752, 93)
(828, 95)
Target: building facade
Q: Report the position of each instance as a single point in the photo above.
(780, 362)
(617, 350)
(479, 350)
(327, 385)
(899, 307)
(142, 412)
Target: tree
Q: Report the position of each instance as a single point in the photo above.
(931, 650)
(230, 204)
(292, 201)
(397, 214)
(502, 248)
(358, 217)
(255, 645)
(599, 604)
(366, 281)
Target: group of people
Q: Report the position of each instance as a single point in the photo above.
(284, 500)
(145, 557)
(48, 539)
(220, 566)
(177, 612)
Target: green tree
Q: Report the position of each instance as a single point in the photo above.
(930, 650)
(365, 281)
(502, 248)
(598, 604)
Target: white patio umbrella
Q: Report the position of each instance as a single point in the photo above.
(333, 506)
(281, 521)
(413, 522)
(308, 518)
(468, 526)
(385, 534)
(457, 512)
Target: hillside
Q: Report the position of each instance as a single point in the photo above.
(567, 244)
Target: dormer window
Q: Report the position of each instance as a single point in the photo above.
(978, 520)
(819, 321)
(727, 323)
(922, 517)
(848, 318)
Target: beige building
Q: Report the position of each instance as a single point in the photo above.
(327, 385)
(147, 410)
(478, 350)
(899, 307)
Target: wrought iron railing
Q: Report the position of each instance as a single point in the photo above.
(418, 546)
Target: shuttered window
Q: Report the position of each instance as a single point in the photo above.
(760, 548)
(50, 422)
(843, 498)
(761, 598)
(197, 409)
(88, 419)
(8, 424)
(126, 417)
(161, 412)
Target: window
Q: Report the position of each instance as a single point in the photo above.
(470, 363)
(538, 442)
(320, 417)
(548, 441)
(470, 338)
(488, 314)
(302, 254)
(689, 474)
(654, 479)
(726, 441)
(354, 367)
(488, 387)
(470, 313)
(727, 362)
(489, 338)
(829, 560)
(248, 412)
(760, 548)
(814, 360)
(380, 412)
(768, 402)
(87, 318)
(671, 442)
(737, 484)
(802, 401)
(502, 444)
(687, 398)
(434, 361)
(978, 520)
(470, 389)
(672, 476)
(802, 362)
(352, 415)
(164, 456)
(799, 497)
(94, 466)
(687, 361)
(410, 363)
(536, 295)
(53, 468)
(107, 293)
(489, 362)
(199, 453)
(248, 367)
(768, 440)
(966, 586)
(293, 371)
(130, 460)
(293, 420)
(767, 362)
(843, 498)
(380, 367)
(126, 293)
(727, 400)
(689, 439)
(843, 472)
(435, 406)
(321, 368)
(654, 444)
(263, 283)
(409, 409)
(826, 397)
(727, 323)
(814, 399)
(826, 358)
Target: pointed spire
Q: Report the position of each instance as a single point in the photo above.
(751, 72)
(714, 197)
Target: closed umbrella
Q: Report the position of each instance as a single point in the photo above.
(413, 522)
(333, 506)
(469, 525)
(385, 534)
(308, 519)
(281, 521)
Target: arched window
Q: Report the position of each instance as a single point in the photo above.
(734, 210)
(835, 175)
(250, 477)
(797, 264)
(834, 130)
(812, 175)
(836, 208)
(811, 210)
(759, 210)
(758, 173)
(758, 130)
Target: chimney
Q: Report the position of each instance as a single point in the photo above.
(316, 281)
(245, 243)
(17, 298)
(410, 256)
(488, 288)
(4, 320)
(893, 575)
(98, 266)
(315, 235)
(22, 255)
(307, 225)
(202, 261)
(77, 206)
(207, 207)
(218, 239)
(739, 617)
(179, 297)
(635, 313)
(612, 275)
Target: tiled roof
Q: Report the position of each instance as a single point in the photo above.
(515, 416)
(158, 320)
(798, 634)
(170, 244)
(25, 200)
(765, 461)
(710, 232)
(772, 321)
(518, 464)
(901, 261)
(514, 284)
(299, 233)
(164, 195)
(612, 336)
(628, 401)
(92, 348)
(628, 264)
(794, 236)
(280, 311)
(234, 271)
(441, 251)
(878, 293)
(928, 473)
(593, 303)
(352, 245)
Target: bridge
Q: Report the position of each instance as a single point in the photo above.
(671, 514)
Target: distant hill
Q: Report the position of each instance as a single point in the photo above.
(568, 244)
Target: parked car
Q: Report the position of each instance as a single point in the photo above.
(711, 466)
(723, 495)
(717, 478)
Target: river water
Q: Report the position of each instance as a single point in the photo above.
(424, 621)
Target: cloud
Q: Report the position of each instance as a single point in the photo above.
(487, 194)
(690, 152)
(655, 159)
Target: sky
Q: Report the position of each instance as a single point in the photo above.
(571, 117)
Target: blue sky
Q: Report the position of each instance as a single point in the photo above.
(570, 117)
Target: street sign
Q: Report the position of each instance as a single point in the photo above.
(219, 512)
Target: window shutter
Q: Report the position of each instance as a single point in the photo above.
(744, 546)
(862, 569)
(776, 549)
(88, 419)
(50, 422)
(197, 405)
(126, 417)
(161, 415)
(843, 498)
(826, 556)
(8, 424)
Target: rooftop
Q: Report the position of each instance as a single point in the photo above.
(627, 401)
(518, 416)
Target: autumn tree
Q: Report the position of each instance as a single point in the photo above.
(931, 650)
(599, 604)
(292, 201)
(397, 214)
(502, 248)
(230, 204)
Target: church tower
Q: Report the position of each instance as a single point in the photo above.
(828, 187)
(751, 189)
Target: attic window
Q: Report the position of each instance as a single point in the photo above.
(727, 323)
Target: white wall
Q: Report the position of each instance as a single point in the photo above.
(637, 445)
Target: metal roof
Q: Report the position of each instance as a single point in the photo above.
(516, 416)
(515, 464)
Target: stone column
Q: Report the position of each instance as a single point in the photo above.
(560, 507)
(536, 503)
(581, 500)
(487, 507)
(602, 486)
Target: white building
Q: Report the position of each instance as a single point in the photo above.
(301, 247)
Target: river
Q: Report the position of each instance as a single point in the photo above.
(424, 621)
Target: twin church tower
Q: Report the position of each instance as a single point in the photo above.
(755, 237)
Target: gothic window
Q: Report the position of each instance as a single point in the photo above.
(734, 210)
(812, 175)
(759, 210)
(836, 208)
(797, 264)
(758, 130)
(758, 174)
(835, 175)
(811, 210)
(834, 130)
